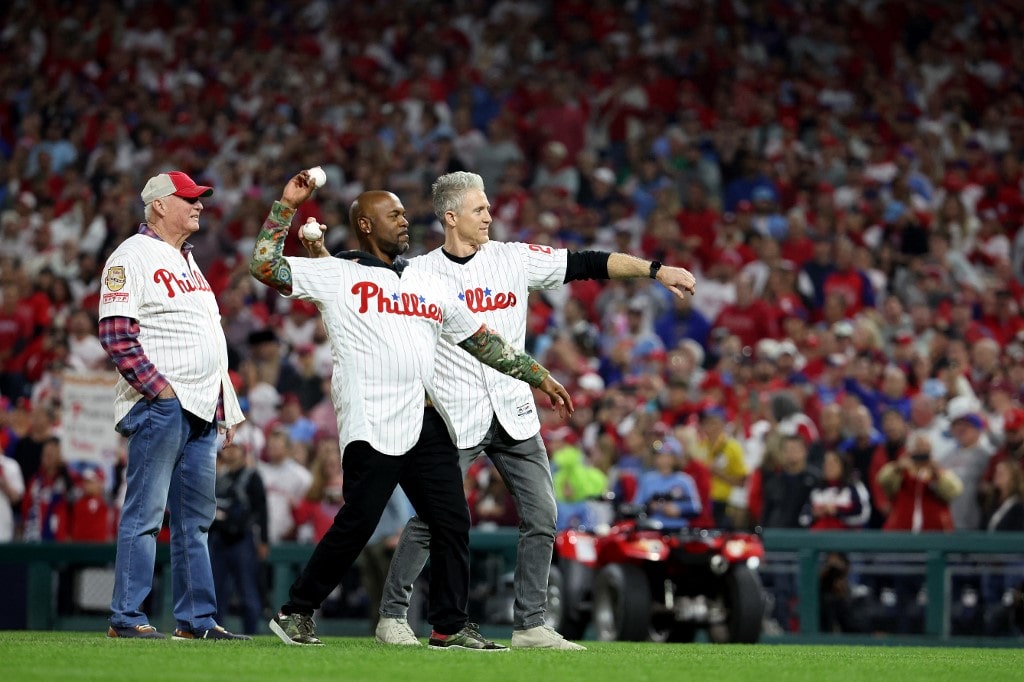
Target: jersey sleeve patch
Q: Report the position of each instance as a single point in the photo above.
(115, 278)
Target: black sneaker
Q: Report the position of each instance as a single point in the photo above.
(146, 631)
(295, 629)
(216, 632)
(466, 638)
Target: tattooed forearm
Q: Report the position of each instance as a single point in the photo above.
(490, 348)
(268, 264)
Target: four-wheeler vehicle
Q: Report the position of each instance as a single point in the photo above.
(636, 581)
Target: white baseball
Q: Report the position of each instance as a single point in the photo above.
(317, 175)
(312, 231)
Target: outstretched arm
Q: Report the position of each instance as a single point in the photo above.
(676, 280)
(267, 263)
(604, 265)
(490, 348)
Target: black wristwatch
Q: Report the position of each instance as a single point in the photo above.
(655, 266)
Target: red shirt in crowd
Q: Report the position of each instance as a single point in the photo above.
(750, 323)
(91, 520)
(851, 284)
(915, 506)
(701, 475)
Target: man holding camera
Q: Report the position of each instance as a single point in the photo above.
(920, 490)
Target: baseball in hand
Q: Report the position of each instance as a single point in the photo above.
(312, 230)
(317, 175)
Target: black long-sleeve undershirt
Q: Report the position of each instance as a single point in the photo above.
(586, 265)
(579, 264)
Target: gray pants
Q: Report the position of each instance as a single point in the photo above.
(523, 465)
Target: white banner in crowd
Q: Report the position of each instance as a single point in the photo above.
(87, 418)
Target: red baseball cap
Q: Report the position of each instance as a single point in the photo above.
(173, 182)
(903, 337)
(1013, 419)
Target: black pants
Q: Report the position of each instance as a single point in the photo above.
(430, 476)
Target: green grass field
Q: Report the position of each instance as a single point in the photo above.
(90, 656)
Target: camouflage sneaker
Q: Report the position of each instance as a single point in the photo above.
(295, 629)
(466, 638)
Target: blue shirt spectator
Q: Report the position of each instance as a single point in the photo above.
(670, 496)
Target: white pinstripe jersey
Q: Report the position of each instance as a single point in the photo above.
(494, 285)
(385, 332)
(149, 280)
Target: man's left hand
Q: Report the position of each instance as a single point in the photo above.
(560, 398)
(677, 280)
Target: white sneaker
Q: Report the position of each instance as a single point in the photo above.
(396, 631)
(543, 637)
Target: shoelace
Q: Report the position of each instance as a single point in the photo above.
(472, 630)
(304, 624)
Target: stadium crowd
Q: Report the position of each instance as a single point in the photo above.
(845, 179)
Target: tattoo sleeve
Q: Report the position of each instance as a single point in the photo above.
(268, 264)
(490, 348)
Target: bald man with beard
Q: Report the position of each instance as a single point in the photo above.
(385, 322)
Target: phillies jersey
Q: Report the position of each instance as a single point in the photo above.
(148, 280)
(494, 285)
(385, 331)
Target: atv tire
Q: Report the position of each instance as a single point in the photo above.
(622, 604)
(744, 601)
(563, 615)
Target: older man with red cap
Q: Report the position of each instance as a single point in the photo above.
(160, 325)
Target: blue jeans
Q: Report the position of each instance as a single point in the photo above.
(523, 465)
(171, 464)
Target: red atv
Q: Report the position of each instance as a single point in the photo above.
(638, 581)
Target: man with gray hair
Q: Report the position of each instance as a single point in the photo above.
(492, 415)
(160, 326)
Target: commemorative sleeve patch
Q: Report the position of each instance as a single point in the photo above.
(115, 278)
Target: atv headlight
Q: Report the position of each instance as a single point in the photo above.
(734, 549)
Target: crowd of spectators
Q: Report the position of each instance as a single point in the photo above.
(844, 178)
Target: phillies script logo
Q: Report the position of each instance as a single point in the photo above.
(482, 300)
(184, 285)
(406, 303)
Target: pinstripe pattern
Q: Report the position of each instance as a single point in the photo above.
(179, 322)
(494, 286)
(383, 359)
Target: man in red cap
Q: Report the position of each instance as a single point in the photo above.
(160, 325)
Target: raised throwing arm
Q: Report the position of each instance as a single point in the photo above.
(267, 263)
